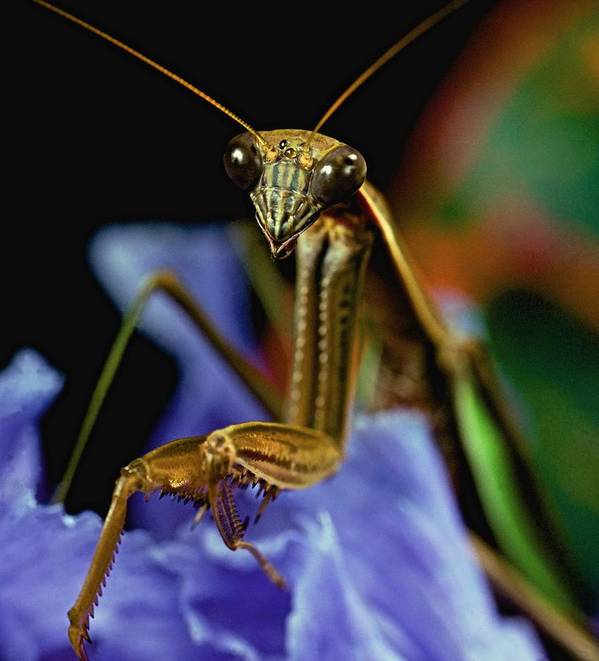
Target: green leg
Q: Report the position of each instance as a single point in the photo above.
(168, 283)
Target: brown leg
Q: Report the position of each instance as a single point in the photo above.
(168, 283)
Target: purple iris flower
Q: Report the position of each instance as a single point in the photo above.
(376, 558)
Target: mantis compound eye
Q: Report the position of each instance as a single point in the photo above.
(338, 175)
(243, 161)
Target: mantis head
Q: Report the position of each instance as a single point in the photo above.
(292, 176)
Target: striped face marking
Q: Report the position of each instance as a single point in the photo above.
(291, 182)
(284, 205)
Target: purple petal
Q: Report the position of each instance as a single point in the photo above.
(27, 386)
(45, 557)
(420, 573)
(330, 620)
(45, 554)
(226, 598)
(203, 258)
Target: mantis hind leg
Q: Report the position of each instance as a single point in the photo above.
(168, 283)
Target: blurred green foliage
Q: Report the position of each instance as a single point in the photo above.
(553, 361)
(544, 143)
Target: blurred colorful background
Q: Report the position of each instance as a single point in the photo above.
(498, 196)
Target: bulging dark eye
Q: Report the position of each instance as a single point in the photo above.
(243, 161)
(338, 175)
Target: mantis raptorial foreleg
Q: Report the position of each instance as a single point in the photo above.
(206, 469)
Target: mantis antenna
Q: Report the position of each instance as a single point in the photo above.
(153, 64)
(398, 46)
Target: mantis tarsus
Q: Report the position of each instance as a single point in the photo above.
(333, 232)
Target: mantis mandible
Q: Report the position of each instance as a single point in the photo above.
(312, 198)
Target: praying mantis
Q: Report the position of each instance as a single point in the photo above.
(331, 224)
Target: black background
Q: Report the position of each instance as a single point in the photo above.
(100, 137)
